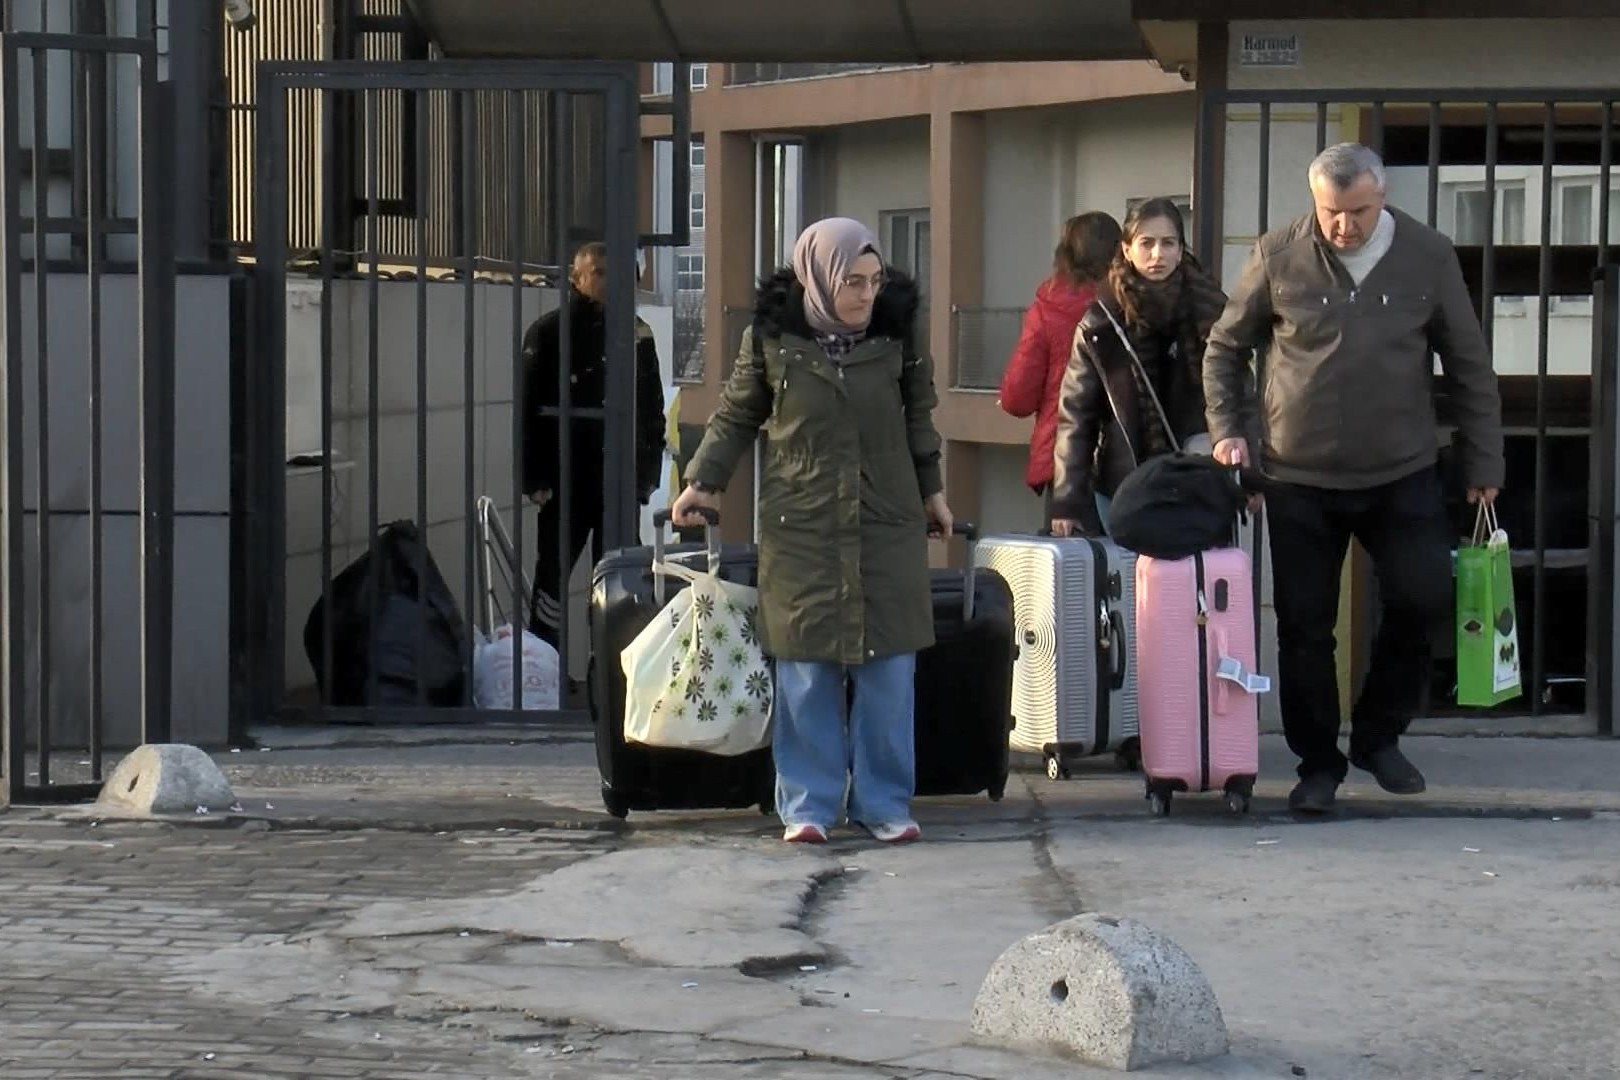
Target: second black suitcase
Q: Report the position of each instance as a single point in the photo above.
(624, 599)
(964, 683)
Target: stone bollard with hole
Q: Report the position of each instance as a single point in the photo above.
(165, 778)
(1107, 989)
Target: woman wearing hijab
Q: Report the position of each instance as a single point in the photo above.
(1029, 387)
(1134, 386)
(850, 486)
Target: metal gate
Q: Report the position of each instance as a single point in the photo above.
(387, 378)
(87, 407)
(1522, 181)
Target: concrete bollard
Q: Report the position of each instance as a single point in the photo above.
(165, 778)
(1107, 989)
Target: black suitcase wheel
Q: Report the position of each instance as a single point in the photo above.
(1159, 805)
(616, 804)
(997, 790)
(1237, 802)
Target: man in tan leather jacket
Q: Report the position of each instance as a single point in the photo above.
(1344, 310)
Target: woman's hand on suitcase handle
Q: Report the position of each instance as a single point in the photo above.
(1067, 527)
(939, 515)
(687, 510)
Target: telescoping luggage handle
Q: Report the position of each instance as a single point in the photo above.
(969, 533)
(711, 539)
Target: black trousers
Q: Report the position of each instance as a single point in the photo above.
(547, 608)
(1403, 527)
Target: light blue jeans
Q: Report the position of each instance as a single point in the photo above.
(821, 754)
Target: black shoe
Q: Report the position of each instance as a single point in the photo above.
(1315, 794)
(1394, 773)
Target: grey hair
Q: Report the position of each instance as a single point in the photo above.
(1340, 165)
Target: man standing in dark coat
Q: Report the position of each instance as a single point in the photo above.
(587, 331)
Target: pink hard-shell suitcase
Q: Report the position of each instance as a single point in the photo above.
(1195, 658)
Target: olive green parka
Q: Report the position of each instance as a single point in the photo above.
(850, 454)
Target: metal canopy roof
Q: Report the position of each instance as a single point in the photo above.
(921, 31)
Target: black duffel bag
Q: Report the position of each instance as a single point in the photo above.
(1176, 505)
(381, 612)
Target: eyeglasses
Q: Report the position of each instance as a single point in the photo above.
(859, 283)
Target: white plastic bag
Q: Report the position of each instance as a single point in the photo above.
(695, 677)
(492, 672)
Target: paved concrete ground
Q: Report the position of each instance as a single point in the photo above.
(415, 907)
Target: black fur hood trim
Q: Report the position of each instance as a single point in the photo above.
(779, 307)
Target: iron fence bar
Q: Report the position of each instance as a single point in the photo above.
(562, 192)
(1603, 511)
(14, 655)
(1377, 135)
(38, 186)
(1434, 165)
(515, 156)
(329, 225)
(271, 306)
(1213, 112)
(373, 146)
(1264, 186)
(1538, 586)
(95, 148)
(466, 106)
(618, 522)
(157, 366)
(1487, 288)
(420, 122)
(1454, 94)
(1605, 170)
(1321, 126)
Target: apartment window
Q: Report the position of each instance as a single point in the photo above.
(1575, 223)
(696, 218)
(700, 76)
(663, 79)
(1183, 203)
(1577, 210)
(1474, 214)
(697, 152)
(908, 240)
(689, 273)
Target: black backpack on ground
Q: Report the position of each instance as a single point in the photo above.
(1176, 505)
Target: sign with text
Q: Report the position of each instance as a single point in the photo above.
(1270, 50)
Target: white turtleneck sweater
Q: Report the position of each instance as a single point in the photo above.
(1361, 261)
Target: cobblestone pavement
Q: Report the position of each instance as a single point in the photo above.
(89, 917)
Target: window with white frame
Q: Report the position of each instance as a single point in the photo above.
(696, 219)
(1577, 217)
(689, 273)
(1473, 214)
(663, 79)
(700, 76)
(697, 152)
(907, 237)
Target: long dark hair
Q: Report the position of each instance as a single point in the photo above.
(1123, 279)
(1087, 248)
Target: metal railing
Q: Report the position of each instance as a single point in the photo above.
(985, 339)
(409, 413)
(1439, 144)
(753, 74)
(87, 318)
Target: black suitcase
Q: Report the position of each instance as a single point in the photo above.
(624, 599)
(964, 684)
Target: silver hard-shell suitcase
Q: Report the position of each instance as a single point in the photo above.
(1074, 611)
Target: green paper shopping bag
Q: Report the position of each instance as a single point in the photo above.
(1487, 622)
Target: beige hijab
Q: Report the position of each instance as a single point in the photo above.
(821, 260)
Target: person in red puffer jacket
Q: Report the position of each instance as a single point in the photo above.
(1034, 373)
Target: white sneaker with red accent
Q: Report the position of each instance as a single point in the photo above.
(804, 834)
(895, 832)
